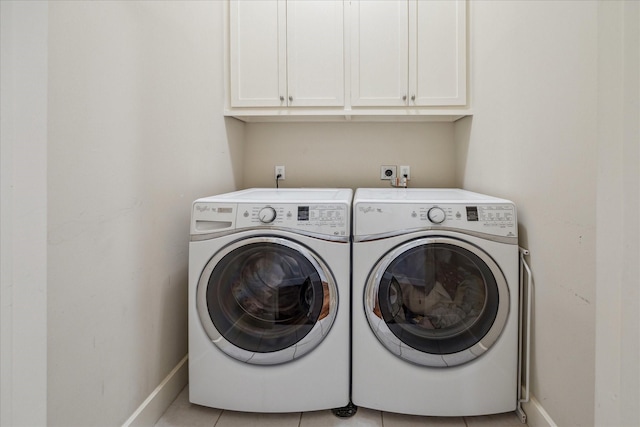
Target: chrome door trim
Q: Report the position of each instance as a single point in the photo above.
(195, 237)
(404, 351)
(513, 240)
(302, 347)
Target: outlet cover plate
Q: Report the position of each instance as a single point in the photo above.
(388, 172)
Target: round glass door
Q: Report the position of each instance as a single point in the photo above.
(437, 301)
(266, 300)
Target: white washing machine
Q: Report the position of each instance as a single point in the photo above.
(435, 302)
(269, 302)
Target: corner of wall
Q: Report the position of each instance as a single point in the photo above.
(150, 411)
(537, 416)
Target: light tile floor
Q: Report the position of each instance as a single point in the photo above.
(182, 413)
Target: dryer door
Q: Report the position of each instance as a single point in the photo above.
(266, 300)
(437, 301)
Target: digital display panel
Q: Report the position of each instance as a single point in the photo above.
(303, 213)
(472, 213)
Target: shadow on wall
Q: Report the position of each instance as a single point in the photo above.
(462, 137)
(235, 143)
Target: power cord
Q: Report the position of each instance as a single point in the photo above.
(278, 180)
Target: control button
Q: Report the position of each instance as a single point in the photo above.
(436, 215)
(267, 215)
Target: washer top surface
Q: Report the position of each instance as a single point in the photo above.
(432, 195)
(289, 195)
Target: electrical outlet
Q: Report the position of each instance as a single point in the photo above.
(405, 172)
(279, 171)
(387, 172)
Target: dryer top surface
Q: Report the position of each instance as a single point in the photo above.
(423, 195)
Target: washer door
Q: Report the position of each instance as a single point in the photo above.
(437, 301)
(266, 300)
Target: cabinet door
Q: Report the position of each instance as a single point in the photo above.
(257, 36)
(437, 55)
(315, 53)
(379, 52)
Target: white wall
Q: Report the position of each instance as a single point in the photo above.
(348, 154)
(618, 218)
(549, 132)
(23, 218)
(136, 133)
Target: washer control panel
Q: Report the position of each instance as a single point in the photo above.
(321, 218)
(327, 219)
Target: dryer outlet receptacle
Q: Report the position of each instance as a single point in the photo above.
(388, 172)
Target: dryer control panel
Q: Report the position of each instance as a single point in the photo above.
(487, 215)
(371, 218)
(324, 219)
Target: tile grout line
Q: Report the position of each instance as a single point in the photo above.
(218, 419)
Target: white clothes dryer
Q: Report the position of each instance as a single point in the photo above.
(269, 300)
(435, 302)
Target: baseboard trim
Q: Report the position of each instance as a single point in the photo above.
(536, 415)
(150, 411)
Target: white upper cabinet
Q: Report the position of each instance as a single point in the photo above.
(286, 53)
(315, 53)
(408, 53)
(379, 52)
(438, 58)
(347, 60)
(257, 53)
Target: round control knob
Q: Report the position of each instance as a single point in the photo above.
(267, 215)
(436, 215)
